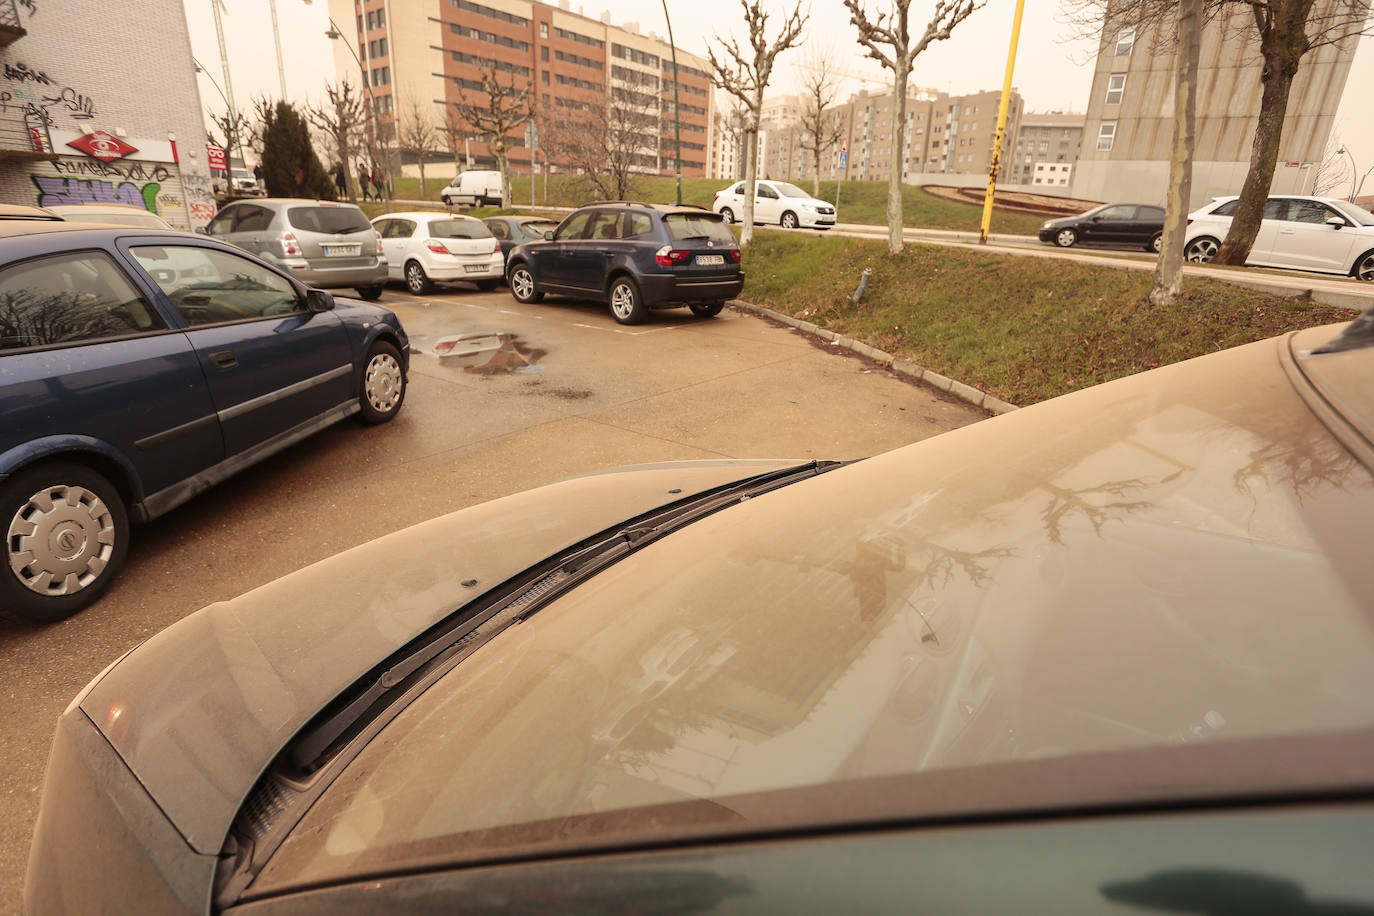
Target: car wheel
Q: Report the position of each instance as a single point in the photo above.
(370, 293)
(66, 535)
(384, 384)
(706, 309)
(522, 285)
(626, 304)
(487, 285)
(1156, 243)
(727, 214)
(1066, 238)
(417, 281)
(1201, 249)
(1364, 267)
(789, 220)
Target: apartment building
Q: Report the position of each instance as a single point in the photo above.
(1129, 124)
(1046, 148)
(435, 54)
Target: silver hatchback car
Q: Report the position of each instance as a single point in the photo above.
(319, 242)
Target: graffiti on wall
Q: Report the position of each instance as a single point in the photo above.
(54, 191)
(25, 95)
(127, 169)
(20, 72)
(200, 194)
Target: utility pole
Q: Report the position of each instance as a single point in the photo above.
(1001, 127)
(677, 107)
(276, 38)
(228, 92)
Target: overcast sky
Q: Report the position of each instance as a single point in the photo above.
(1051, 72)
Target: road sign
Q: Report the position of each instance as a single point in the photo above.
(844, 159)
(215, 157)
(531, 136)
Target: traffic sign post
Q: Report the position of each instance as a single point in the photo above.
(844, 164)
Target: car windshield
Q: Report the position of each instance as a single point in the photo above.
(243, 173)
(684, 226)
(328, 220)
(1158, 592)
(536, 230)
(789, 190)
(1360, 215)
(458, 229)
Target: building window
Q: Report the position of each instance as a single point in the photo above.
(543, 30)
(544, 53)
(1125, 40)
(376, 48)
(381, 76)
(1116, 88)
(468, 7)
(1106, 134)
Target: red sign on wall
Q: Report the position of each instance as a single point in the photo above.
(102, 146)
(215, 157)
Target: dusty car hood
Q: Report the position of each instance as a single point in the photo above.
(198, 711)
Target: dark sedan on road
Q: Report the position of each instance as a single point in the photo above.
(1111, 224)
(1109, 653)
(516, 230)
(139, 367)
(635, 257)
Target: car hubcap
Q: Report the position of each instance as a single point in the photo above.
(1066, 238)
(728, 216)
(622, 300)
(1366, 269)
(1202, 250)
(789, 221)
(61, 540)
(382, 384)
(1157, 244)
(523, 284)
(415, 278)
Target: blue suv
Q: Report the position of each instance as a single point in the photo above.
(635, 257)
(139, 367)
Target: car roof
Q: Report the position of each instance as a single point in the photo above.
(661, 208)
(19, 211)
(426, 214)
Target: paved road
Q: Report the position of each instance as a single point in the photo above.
(549, 391)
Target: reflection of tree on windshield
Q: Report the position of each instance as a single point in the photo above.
(1303, 464)
(1068, 501)
(29, 319)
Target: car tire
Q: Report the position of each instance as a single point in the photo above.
(727, 214)
(1364, 267)
(487, 286)
(93, 534)
(789, 220)
(1201, 249)
(522, 285)
(706, 309)
(1156, 243)
(383, 384)
(1066, 238)
(627, 305)
(417, 281)
(370, 293)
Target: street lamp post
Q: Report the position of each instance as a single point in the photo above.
(677, 107)
(336, 34)
(1354, 171)
(235, 125)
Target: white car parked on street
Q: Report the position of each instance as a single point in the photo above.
(427, 247)
(1320, 234)
(776, 202)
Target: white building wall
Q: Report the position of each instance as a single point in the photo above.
(128, 74)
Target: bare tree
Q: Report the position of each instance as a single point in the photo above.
(255, 125)
(1168, 284)
(340, 118)
(745, 76)
(505, 108)
(611, 142)
(820, 87)
(887, 37)
(419, 136)
(1331, 171)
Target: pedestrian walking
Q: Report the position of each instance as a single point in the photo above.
(378, 180)
(363, 180)
(341, 181)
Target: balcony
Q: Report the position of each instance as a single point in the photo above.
(11, 30)
(24, 135)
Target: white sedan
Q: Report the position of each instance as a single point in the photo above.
(423, 248)
(776, 202)
(1320, 234)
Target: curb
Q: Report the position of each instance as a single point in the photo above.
(895, 363)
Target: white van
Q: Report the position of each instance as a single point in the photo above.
(474, 189)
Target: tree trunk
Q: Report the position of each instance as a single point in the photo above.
(499, 147)
(894, 181)
(1169, 269)
(816, 175)
(751, 168)
(1280, 65)
(420, 158)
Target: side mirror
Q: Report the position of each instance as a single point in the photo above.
(1336, 222)
(202, 230)
(318, 300)
(548, 235)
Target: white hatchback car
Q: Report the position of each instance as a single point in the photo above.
(1303, 233)
(776, 202)
(427, 247)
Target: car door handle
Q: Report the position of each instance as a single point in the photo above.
(223, 359)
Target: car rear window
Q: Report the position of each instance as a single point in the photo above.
(328, 220)
(684, 226)
(458, 229)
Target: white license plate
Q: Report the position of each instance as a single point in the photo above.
(711, 260)
(342, 251)
(476, 268)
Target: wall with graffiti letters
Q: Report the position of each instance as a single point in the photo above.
(129, 79)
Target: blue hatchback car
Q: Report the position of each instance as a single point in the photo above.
(138, 368)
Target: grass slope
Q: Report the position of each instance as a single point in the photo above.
(1022, 328)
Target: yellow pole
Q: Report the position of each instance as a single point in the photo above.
(1001, 127)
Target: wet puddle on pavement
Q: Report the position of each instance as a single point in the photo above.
(487, 353)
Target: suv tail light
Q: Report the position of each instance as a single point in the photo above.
(495, 247)
(734, 255)
(436, 246)
(1190, 221)
(668, 257)
(289, 246)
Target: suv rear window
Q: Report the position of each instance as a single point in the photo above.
(330, 220)
(684, 226)
(458, 229)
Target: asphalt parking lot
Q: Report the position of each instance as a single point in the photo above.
(525, 395)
